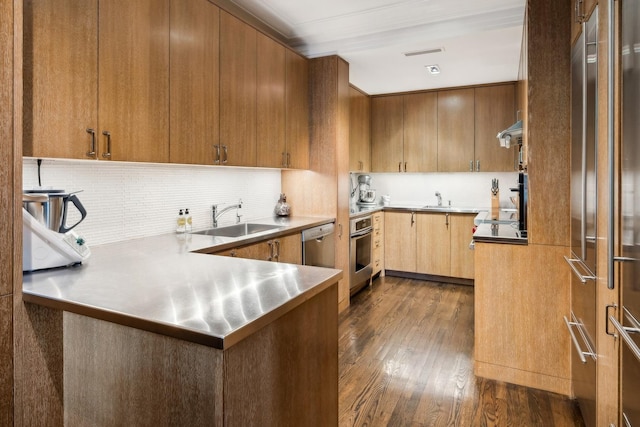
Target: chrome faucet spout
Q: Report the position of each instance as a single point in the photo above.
(439, 196)
(218, 213)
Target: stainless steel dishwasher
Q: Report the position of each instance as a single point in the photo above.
(318, 246)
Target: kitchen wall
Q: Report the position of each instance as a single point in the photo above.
(129, 200)
(470, 189)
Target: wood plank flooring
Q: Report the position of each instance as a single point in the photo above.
(406, 359)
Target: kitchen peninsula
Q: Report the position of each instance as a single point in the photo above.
(154, 333)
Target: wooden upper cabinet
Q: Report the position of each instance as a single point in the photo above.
(456, 130)
(387, 134)
(297, 110)
(238, 89)
(194, 122)
(270, 132)
(359, 131)
(60, 78)
(494, 111)
(421, 132)
(133, 82)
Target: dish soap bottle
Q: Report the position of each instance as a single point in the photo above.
(282, 207)
(181, 222)
(188, 225)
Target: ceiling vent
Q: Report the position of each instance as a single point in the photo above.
(424, 52)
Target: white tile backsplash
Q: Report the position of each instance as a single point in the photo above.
(464, 189)
(128, 200)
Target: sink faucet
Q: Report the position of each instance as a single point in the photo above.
(439, 196)
(217, 214)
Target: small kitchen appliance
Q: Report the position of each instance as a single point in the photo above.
(48, 241)
(366, 195)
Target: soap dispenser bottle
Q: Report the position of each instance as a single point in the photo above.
(180, 222)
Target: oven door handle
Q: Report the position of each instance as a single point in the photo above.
(362, 232)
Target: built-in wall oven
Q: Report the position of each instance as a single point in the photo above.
(360, 267)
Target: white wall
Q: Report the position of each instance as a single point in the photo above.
(464, 189)
(129, 200)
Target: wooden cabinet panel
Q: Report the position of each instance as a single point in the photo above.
(238, 72)
(433, 248)
(456, 130)
(270, 116)
(297, 110)
(6, 359)
(359, 131)
(420, 145)
(462, 264)
(289, 249)
(60, 77)
(400, 241)
(133, 82)
(494, 111)
(377, 249)
(194, 123)
(387, 134)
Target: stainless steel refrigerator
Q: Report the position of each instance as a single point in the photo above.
(630, 211)
(582, 320)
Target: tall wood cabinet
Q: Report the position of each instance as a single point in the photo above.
(456, 117)
(238, 92)
(404, 133)
(195, 95)
(359, 131)
(110, 102)
(495, 110)
(297, 111)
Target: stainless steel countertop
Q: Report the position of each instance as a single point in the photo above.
(357, 211)
(504, 229)
(158, 284)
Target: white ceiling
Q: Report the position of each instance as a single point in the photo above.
(481, 38)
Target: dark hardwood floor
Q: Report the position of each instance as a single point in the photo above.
(406, 359)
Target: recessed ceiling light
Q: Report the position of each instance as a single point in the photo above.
(433, 69)
(424, 52)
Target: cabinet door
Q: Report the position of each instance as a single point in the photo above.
(400, 241)
(237, 92)
(456, 130)
(289, 249)
(433, 244)
(259, 251)
(297, 110)
(134, 79)
(359, 131)
(270, 113)
(195, 126)
(387, 134)
(462, 264)
(377, 249)
(60, 78)
(494, 111)
(421, 132)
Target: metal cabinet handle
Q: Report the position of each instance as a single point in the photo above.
(107, 154)
(477, 165)
(270, 244)
(360, 165)
(233, 253)
(216, 161)
(288, 160)
(624, 333)
(576, 344)
(340, 231)
(399, 166)
(284, 160)
(446, 219)
(413, 221)
(405, 166)
(277, 247)
(470, 165)
(580, 276)
(226, 154)
(92, 150)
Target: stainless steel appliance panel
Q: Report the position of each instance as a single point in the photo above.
(318, 246)
(582, 324)
(630, 209)
(360, 253)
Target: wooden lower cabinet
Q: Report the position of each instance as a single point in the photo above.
(281, 249)
(429, 243)
(377, 248)
(400, 241)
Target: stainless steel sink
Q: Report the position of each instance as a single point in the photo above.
(237, 230)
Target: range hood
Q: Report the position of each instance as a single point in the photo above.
(512, 132)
